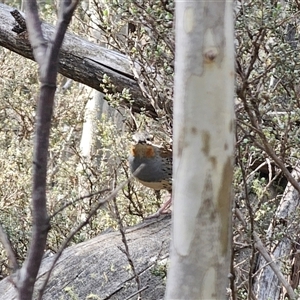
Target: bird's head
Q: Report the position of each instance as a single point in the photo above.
(142, 146)
(142, 138)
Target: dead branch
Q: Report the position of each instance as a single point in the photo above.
(81, 61)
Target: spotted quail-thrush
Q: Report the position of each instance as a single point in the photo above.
(156, 172)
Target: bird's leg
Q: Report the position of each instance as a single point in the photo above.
(164, 209)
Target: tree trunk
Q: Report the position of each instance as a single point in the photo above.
(203, 150)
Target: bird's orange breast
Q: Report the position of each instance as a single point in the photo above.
(146, 151)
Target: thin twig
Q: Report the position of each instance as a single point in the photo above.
(126, 250)
(78, 199)
(260, 247)
(74, 231)
(79, 227)
(266, 147)
(137, 292)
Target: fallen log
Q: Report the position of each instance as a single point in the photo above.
(98, 269)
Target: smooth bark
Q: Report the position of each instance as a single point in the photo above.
(203, 150)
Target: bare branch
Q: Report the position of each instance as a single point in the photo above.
(126, 250)
(260, 247)
(77, 229)
(47, 58)
(65, 16)
(36, 38)
(76, 200)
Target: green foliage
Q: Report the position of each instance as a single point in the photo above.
(148, 42)
(69, 174)
(267, 110)
(160, 269)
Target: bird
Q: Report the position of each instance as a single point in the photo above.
(155, 166)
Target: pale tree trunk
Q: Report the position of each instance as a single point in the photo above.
(88, 143)
(203, 150)
(96, 105)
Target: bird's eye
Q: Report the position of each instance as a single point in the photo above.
(149, 138)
